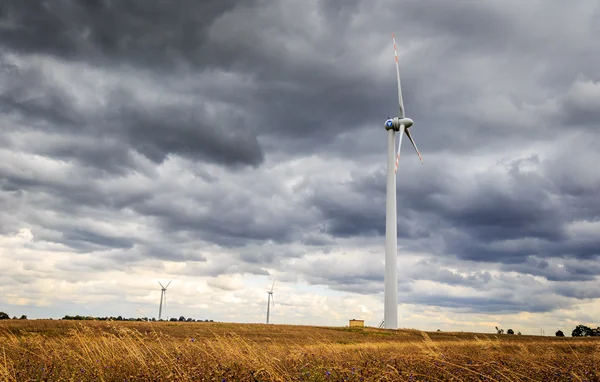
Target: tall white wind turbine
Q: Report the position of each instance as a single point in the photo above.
(402, 125)
(271, 298)
(163, 295)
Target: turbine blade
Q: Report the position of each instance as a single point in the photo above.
(272, 285)
(399, 145)
(273, 300)
(400, 100)
(168, 284)
(414, 145)
(161, 285)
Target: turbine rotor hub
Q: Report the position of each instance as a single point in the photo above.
(395, 123)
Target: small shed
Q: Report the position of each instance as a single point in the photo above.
(354, 322)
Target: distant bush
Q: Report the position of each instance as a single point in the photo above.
(510, 331)
(4, 316)
(559, 333)
(585, 331)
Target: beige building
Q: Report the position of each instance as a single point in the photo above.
(354, 322)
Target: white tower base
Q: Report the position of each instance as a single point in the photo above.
(391, 247)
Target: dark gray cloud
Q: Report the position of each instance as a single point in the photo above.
(430, 269)
(573, 270)
(582, 292)
(121, 124)
(247, 137)
(141, 33)
(504, 215)
(500, 304)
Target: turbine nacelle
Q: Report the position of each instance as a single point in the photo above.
(395, 123)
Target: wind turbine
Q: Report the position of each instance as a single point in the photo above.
(163, 295)
(402, 125)
(269, 300)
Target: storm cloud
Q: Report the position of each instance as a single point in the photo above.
(228, 144)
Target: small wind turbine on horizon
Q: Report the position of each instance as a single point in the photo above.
(401, 124)
(163, 295)
(271, 298)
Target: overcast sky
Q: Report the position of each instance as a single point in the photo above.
(226, 144)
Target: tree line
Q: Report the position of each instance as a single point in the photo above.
(120, 318)
(584, 331)
(5, 316)
(579, 331)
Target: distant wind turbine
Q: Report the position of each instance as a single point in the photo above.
(163, 296)
(271, 298)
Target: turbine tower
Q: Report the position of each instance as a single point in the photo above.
(163, 295)
(402, 125)
(271, 298)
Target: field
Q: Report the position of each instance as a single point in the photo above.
(47, 350)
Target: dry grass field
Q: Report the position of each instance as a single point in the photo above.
(47, 350)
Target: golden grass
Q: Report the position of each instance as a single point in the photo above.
(46, 350)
